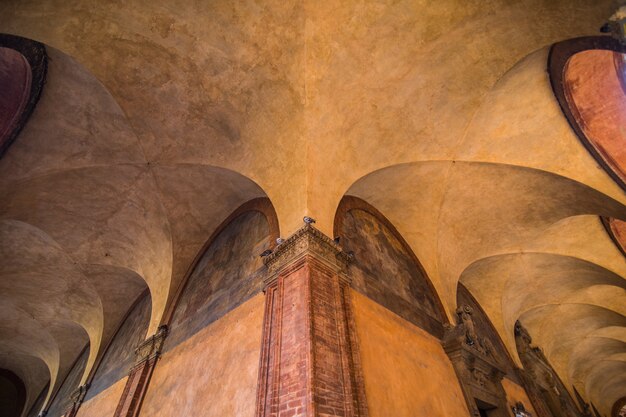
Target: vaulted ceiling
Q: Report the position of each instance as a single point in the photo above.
(159, 119)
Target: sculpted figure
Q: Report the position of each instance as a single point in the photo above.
(465, 318)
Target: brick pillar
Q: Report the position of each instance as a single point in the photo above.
(139, 377)
(77, 398)
(309, 360)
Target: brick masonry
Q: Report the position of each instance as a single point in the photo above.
(309, 361)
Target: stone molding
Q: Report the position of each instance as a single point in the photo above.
(307, 241)
(541, 381)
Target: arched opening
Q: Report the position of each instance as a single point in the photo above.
(12, 394)
(398, 318)
(61, 400)
(109, 376)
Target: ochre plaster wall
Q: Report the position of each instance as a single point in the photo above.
(214, 372)
(515, 393)
(405, 369)
(104, 404)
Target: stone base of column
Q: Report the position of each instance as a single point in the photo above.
(139, 377)
(309, 361)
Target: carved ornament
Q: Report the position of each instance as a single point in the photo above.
(307, 241)
(151, 347)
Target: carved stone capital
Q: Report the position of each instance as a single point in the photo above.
(307, 241)
(151, 347)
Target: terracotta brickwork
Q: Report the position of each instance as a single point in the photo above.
(307, 364)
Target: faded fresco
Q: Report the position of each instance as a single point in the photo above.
(62, 399)
(229, 273)
(385, 271)
(120, 355)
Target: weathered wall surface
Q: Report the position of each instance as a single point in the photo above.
(72, 381)
(229, 273)
(118, 359)
(386, 272)
(213, 373)
(405, 369)
(515, 393)
(104, 404)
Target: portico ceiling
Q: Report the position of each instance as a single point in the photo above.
(159, 119)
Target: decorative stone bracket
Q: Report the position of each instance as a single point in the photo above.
(309, 361)
(307, 241)
(147, 354)
(479, 373)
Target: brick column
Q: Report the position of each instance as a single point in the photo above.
(309, 360)
(139, 377)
